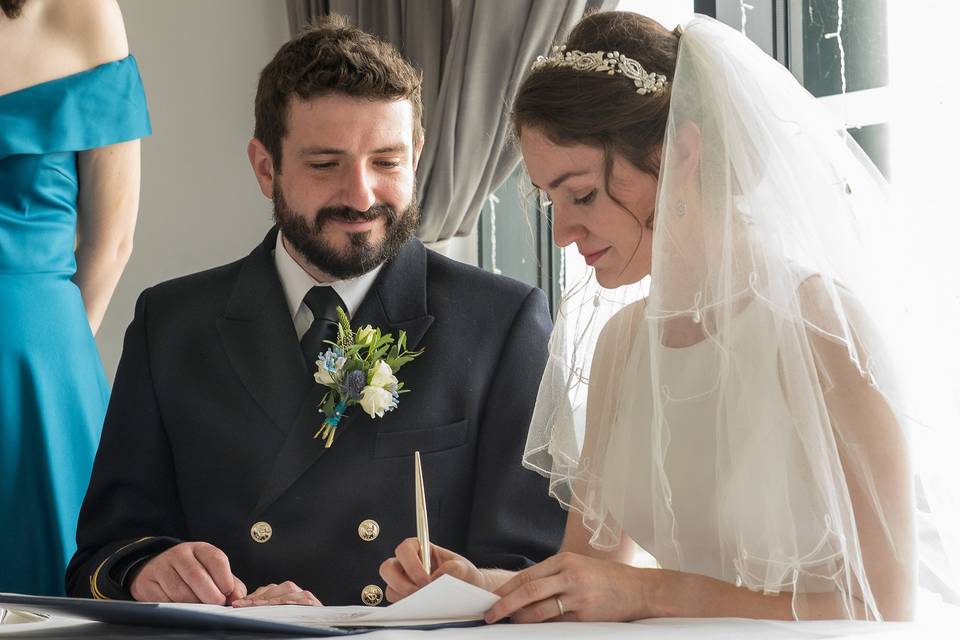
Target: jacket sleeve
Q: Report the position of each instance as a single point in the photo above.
(131, 511)
(514, 522)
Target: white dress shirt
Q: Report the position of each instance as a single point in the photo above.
(297, 282)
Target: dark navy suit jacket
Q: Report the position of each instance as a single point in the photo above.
(209, 433)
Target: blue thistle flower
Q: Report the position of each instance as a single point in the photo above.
(353, 384)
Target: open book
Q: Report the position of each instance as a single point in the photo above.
(446, 601)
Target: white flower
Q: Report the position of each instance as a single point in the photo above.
(322, 376)
(376, 401)
(364, 335)
(383, 376)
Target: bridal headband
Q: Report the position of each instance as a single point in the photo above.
(604, 62)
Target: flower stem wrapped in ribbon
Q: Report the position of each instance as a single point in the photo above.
(359, 368)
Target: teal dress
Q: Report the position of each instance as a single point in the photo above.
(53, 391)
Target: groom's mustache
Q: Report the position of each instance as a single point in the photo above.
(352, 215)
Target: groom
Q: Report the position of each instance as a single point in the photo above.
(208, 479)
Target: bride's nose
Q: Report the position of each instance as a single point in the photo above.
(565, 229)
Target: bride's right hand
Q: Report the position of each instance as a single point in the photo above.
(404, 573)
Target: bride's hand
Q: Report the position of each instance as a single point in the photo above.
(571, 586)
(404, 573)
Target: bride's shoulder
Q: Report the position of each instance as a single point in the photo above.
(828, 307)
(624, 324)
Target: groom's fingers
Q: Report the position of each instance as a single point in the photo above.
(216, 564)
(408, 555)
(397, 582)
(239, 591)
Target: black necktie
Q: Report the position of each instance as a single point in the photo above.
(323, 302)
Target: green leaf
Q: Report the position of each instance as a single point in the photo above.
(344, 333)
(329, 404)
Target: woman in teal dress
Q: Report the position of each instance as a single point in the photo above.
(70, 120)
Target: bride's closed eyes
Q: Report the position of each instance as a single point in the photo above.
(546, 200)
(585, 200)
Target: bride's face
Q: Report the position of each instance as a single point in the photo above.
(612, 231)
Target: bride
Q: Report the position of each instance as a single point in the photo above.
(748, 416)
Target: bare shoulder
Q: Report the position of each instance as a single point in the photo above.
(618, 336)
(93, 28)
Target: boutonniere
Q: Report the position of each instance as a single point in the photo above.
(360, 369)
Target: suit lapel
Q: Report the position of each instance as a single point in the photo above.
(260, 340)
(396, 301)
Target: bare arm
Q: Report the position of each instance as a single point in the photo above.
(107, 214)
(872, 452)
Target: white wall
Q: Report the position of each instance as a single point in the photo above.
(200, 206)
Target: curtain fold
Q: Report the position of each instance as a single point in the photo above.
(473, 55)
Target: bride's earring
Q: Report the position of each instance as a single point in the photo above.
(681, 208)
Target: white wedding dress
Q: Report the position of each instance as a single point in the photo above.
(775, 452)
(709, 517)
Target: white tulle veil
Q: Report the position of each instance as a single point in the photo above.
(781, 314)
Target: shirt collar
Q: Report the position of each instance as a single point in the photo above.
(296, 282)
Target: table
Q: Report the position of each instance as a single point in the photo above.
(659, 629)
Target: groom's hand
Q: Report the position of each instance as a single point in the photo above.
(188, 572)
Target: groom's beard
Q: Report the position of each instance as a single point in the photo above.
(361, 255)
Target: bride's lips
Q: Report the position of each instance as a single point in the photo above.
(593, 257)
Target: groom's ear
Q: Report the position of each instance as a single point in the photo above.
(262, 163)
(417, 150)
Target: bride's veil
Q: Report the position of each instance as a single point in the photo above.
(759, 412)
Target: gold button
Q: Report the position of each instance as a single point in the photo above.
(369, 530)
(261, 532)
(372, 595)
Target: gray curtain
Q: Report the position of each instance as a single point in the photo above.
(473, 54)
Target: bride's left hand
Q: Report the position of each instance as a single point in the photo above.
(588, 589)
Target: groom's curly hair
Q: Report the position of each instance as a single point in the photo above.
(331, 56)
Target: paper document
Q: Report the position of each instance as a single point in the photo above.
(447, 600)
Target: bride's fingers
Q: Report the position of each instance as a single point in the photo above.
(548, 567)
(455, 568)
(545, 611)
(540, 594)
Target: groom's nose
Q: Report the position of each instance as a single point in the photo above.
(357, 188)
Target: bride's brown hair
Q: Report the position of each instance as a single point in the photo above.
(600, 110)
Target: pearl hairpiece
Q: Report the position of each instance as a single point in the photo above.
(604, 62)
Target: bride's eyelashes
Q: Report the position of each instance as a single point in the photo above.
(585, 200)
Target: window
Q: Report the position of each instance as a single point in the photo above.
(513, 234)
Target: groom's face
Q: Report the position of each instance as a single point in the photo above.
(344, 194)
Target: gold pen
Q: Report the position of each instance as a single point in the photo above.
(423, 529)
